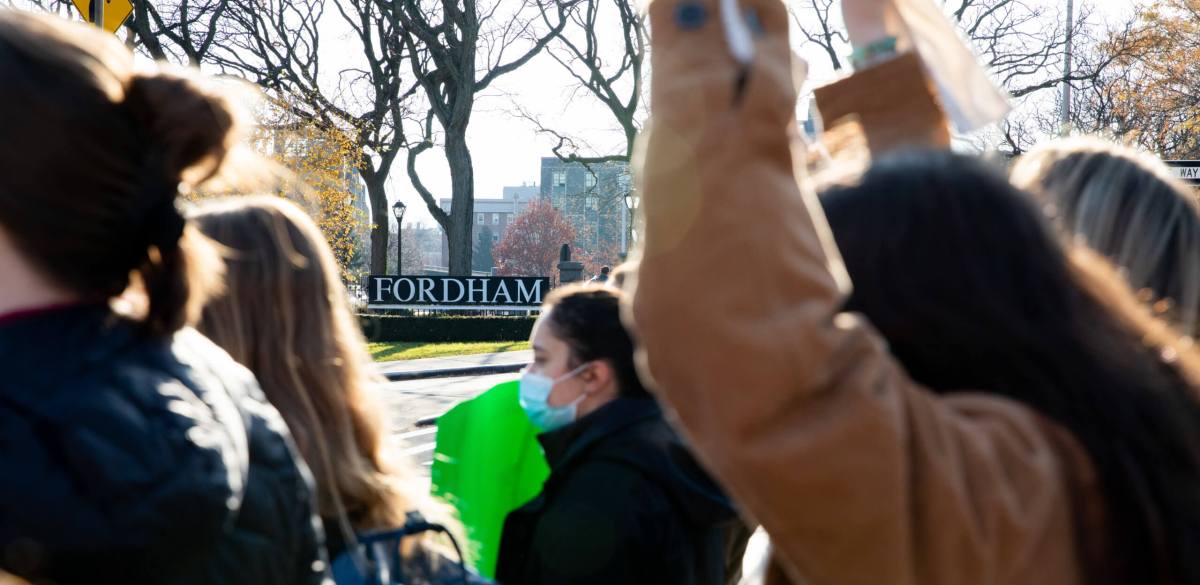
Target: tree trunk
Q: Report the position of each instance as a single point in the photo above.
(462, 208)
(380, 217)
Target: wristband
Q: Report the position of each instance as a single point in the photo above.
(864, 56)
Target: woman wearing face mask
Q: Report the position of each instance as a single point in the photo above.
(625, 501)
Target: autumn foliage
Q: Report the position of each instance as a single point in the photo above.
(531, 244)
(1152, 95)
(321, 168)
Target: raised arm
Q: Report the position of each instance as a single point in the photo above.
(858, 475)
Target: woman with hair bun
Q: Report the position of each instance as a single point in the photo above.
(132, 449)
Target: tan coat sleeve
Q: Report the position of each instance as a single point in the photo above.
(857, 474)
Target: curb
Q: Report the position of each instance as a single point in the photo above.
(454, 372)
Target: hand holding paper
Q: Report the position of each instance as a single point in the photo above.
(970, 98)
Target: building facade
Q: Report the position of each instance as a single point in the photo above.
(493, 216)
(592, 199)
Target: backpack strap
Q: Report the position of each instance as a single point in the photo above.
(381, 551)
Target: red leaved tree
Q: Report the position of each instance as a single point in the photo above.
(531, 244)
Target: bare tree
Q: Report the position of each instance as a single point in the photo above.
(814, 22)
(277, 44)
(457, 49)
(580, 52)
(59, 7)
(180, 31)
(1021, 42)
(611, 71)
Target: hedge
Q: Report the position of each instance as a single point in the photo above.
(449, 329)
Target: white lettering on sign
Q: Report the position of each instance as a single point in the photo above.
(500, 291)
(503, 288)
(380, 285)
(426, 294)
(462, 291)
(471, 290)
(412, 290)
(1186, 172)
(532, 296)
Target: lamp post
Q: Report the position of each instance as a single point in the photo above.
(627, 216)
(398, 211)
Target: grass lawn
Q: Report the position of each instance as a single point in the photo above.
(411, 350)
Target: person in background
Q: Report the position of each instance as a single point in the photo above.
(617, 276)
(1125, 205)
(1001, 411)
(603, 276)
(625, 501)
(132, 449)
(285, 316)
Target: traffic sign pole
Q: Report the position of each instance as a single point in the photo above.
(98, 13)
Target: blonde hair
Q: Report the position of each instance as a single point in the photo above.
(286, 317)
(1124, 204)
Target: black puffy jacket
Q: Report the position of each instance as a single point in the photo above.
(625, 503)
(130, 460)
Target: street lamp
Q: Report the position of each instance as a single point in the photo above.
(627, 217)
(398, 211)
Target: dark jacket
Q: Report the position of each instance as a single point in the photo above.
(129, 460)
(625, 503)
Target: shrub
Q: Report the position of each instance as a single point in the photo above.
(407, 328)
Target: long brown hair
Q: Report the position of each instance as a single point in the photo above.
(973, 291)
(286, 317)
(95, 156)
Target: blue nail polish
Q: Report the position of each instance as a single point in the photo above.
(753, 22)
(690, 15)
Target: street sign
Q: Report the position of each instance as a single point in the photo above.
(116, 12)
(1187, 170)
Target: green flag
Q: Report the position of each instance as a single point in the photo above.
(487, 463)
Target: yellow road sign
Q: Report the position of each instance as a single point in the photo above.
(116, 12)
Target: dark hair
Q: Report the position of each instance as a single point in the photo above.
(96, 156)
(604, 270)
(588, 319)
(963, 276)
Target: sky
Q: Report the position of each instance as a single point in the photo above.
(507, 150)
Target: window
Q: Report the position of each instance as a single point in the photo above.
(495, 239)
(559, 179)
(591, 180)
(479, 218)
(593, 203)
(495, 219)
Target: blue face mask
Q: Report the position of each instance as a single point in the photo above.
(535, 395)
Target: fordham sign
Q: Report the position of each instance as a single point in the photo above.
(456, 292)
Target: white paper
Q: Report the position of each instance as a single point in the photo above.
(969, 96)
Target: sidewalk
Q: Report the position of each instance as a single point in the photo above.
(480, 364)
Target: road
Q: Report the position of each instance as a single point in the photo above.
(407, 402)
